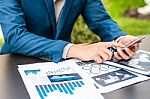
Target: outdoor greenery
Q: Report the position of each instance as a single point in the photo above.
(116, 9)
(1, 41)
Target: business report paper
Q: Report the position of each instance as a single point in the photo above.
(57, 81)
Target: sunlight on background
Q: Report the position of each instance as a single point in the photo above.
(1, 37)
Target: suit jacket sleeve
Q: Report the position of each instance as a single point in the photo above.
(19, 40)
(100, 22)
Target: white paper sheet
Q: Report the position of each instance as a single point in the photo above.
(107, 77)
(139, 63)
(57, 81)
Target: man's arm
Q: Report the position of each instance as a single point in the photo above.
(100, 22)
(19, 40)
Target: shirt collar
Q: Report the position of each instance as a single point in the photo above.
(54, 0)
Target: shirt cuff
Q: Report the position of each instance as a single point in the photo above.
(66, 49)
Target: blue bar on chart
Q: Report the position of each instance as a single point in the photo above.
(46, 88)
(54, 87)
(70, 91)
(50, 88)
(64, 88)
(74, 84)
(81, 82)
(71, 86)
(59, 88)
(67, 88)
(39, 92)
(43, 91)
(78, 84)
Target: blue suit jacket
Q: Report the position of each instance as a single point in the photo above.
(29, 26)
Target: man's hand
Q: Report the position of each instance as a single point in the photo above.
(96, 51)
(129, 52)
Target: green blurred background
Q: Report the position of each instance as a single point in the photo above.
(116, 9)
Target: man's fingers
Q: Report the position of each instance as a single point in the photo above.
(135, 47)
(103, 55)
(117, 56)
(115, 44)
(109, 53)
(122, 54)
(129, 52)
(97, 59)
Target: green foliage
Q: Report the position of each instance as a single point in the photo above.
(1, 41)
(116, 9)
(81, 33)
(132, 26)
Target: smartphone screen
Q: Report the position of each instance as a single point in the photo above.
(133, 42)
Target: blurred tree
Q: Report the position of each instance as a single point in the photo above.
(116, 9)
(81, 33)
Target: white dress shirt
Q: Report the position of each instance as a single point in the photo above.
(58, 5)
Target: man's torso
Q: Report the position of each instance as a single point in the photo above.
(41, 20)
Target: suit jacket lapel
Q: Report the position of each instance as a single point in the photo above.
(63, 17)
(51, 10)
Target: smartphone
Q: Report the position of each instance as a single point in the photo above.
(132, 43)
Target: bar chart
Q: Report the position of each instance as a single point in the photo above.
(64, 88)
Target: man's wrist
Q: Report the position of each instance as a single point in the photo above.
(66, 49)
(76, 50)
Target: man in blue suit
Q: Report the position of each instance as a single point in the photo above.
(42, 28)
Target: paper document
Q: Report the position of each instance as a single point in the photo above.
(107, 77)
(57, 81)
(139, 63)
(87, 79)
